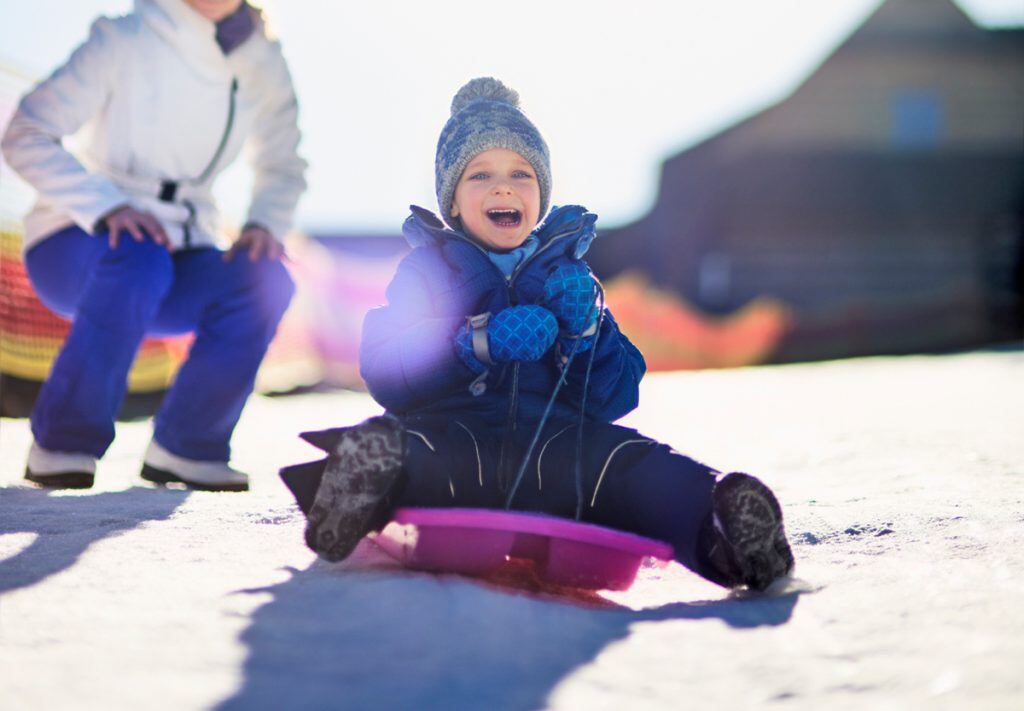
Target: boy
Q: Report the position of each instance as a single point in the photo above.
(482, 318)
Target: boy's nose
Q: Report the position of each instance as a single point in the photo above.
(502, 187)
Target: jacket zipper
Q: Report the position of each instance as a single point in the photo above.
(224, 137)
(522, 265)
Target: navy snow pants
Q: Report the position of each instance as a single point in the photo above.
(115, 297)
(630, 482)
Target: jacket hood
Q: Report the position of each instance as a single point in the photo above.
(192, 35)
(423, 227)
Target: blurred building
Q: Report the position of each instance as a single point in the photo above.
(882, 201)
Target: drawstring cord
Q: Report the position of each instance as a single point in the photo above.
(551, 402)
(510, 427)
(583, 404)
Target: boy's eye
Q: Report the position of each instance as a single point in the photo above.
(478, 176)
(521, 174)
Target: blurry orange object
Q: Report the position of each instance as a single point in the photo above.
(673, 335)
(31, 335)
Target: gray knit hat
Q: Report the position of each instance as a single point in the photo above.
(486, 115)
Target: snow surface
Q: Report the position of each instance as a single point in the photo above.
(903, 486)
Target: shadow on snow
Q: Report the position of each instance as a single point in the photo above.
(337, 637)
(65, 526)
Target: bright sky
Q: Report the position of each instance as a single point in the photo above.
(614, 87)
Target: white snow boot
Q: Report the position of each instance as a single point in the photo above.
(60, 470)
(163, 467)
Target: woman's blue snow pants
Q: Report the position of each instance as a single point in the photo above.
(115, 297)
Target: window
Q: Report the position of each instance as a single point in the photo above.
(917, 119)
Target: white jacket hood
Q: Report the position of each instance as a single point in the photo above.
(191, 34)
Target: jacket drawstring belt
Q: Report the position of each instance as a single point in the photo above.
(189, 223)
(168, 193)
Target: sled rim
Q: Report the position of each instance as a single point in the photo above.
(536, 524)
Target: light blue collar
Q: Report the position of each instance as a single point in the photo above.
(508, 261)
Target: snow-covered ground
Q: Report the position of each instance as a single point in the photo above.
(903, 486)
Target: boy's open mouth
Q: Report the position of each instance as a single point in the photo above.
(505, 217)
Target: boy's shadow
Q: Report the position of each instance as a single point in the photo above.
(65, 526)
(336, 638)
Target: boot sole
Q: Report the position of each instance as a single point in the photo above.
(64, 480)
(749, 517)
(162, 477)
(359, 474)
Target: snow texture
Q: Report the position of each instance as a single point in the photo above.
(901, 480)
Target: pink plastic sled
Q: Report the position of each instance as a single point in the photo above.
(479, 541)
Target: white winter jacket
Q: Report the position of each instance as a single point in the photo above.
(149, 98)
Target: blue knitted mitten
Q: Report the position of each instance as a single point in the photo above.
(570, 292)
(518, 333)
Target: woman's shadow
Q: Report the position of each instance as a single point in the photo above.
(348, 637)
(65, 526)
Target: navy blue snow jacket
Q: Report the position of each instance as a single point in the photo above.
(408, 356)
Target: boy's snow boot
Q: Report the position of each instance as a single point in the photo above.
(303, 480)
(163, 467)
(362, 470)
(60, 470)
(749, 541)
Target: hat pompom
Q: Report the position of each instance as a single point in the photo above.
(487, 88)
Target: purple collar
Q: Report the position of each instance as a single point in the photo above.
(236, 28)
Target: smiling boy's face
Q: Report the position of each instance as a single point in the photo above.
(497, 199)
